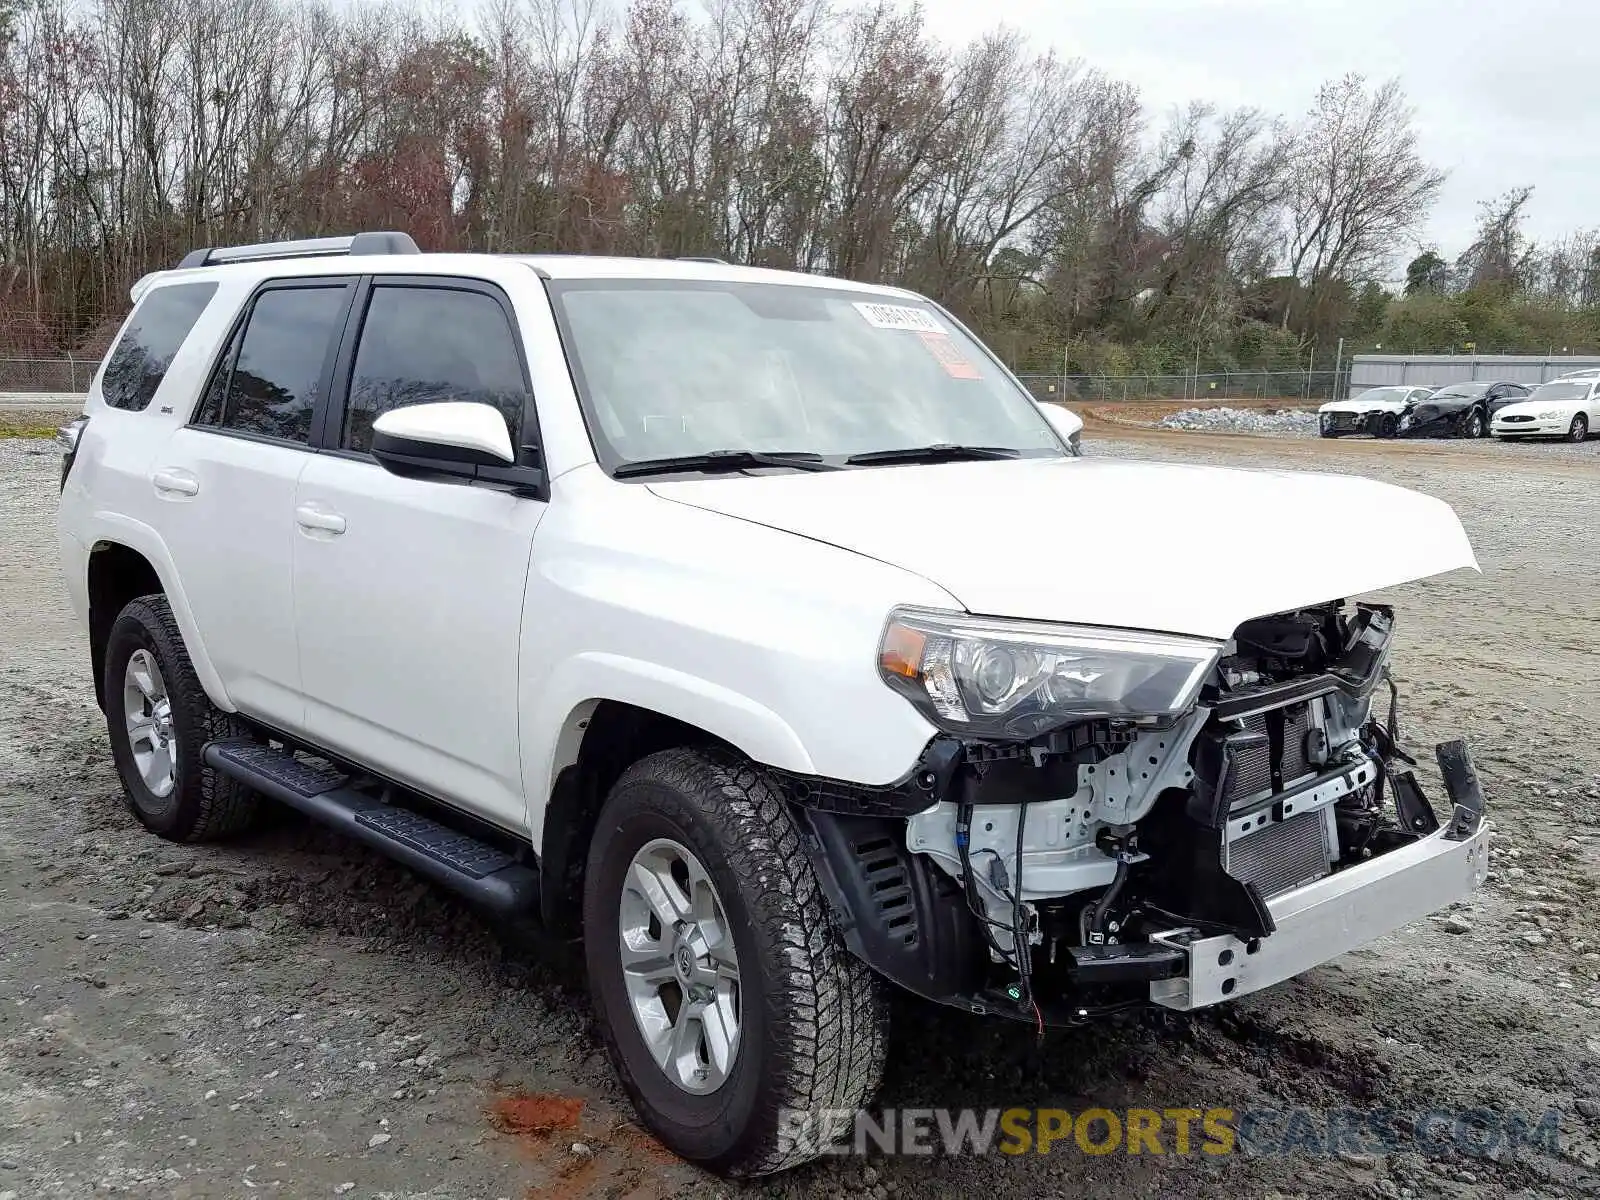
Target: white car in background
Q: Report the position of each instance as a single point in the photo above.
(1375, 411)
(1568, 408)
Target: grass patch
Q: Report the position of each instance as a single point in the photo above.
(27, 424)
(43, 433)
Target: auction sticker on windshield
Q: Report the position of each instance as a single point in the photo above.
(948, 357)
(899, 316)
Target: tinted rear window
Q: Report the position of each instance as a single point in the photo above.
(152, 338)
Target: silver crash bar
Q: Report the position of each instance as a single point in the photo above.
(1330, 916)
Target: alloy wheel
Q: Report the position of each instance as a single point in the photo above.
(148, 715)
(680, 966)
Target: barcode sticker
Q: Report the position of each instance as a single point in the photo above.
(899, 316)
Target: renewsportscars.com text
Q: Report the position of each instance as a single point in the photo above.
(1214, 1132)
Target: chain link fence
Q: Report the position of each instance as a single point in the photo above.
(59, 376)
(1215, 387)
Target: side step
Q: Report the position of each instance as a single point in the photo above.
(479, 871)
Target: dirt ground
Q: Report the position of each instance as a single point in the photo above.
(290, 1015)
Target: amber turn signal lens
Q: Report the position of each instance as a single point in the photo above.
(902, 651)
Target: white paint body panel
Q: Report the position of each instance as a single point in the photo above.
(409, 626)
(979, 530)
(1390, 402)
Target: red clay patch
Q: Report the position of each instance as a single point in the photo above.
(536, 1114)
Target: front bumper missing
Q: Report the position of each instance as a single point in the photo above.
(1324, 919)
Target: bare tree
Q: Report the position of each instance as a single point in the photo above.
(1357, 183)
(1500, 254)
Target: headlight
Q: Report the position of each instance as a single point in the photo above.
(1017, 679)
(1552, 415)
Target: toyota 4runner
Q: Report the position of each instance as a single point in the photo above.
(762, 629)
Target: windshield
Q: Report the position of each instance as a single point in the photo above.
(671, 368)
(1559, 390)
(1461, 391)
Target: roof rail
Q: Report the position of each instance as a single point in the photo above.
(360, 243)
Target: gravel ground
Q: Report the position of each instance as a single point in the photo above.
(291, 1015)
(1291, 422)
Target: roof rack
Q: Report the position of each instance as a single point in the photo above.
(360, 243)
(721, 262)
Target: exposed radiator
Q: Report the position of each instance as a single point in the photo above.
(1283, 855)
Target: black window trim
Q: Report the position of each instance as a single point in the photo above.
(223, 359)
(327, 428)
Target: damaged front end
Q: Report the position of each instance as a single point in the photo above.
(1249, 815)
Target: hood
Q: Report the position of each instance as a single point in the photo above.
(1095, 541)
(1363, 406)
(1532, 408)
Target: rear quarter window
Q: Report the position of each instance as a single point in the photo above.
(149, 342)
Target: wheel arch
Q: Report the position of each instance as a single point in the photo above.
(127, 564)
(600, 739)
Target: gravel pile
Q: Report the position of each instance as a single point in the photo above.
(1243, 420)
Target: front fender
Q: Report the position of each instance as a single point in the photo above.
(562, 709)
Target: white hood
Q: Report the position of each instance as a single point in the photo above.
(1358, 405)
(1532, 408)
(1096, 541)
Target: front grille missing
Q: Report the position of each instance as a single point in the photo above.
(1278, 760)
(1251, 773)
(1294, 765)
(1282, 856)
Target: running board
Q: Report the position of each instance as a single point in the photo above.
(476, 869)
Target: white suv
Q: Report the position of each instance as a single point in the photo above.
(762, 628)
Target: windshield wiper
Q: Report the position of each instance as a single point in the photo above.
(938, 452)
(724, 460)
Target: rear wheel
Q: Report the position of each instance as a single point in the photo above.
(729, 1006)
(1579, 430)
(159, 718)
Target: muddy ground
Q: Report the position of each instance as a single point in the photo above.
(290, 1015)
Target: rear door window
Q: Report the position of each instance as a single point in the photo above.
(270, 378)
(150, 341)
(423, 344)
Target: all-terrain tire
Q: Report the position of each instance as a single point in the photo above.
(203, 804)
(813, 1022)
(1579, 430)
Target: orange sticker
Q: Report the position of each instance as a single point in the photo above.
(943, 349)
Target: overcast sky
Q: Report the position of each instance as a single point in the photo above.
(1506, 94)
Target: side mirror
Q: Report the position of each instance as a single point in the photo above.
(449, 439)
(1066, 423)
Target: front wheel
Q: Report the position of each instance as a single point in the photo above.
(1476, 426)
(1579, 430)
(730, 1008)
(159, 719)
(1388, 426)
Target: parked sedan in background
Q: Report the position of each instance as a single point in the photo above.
(1568, 407)
(1459, 409)
(1375, 411)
